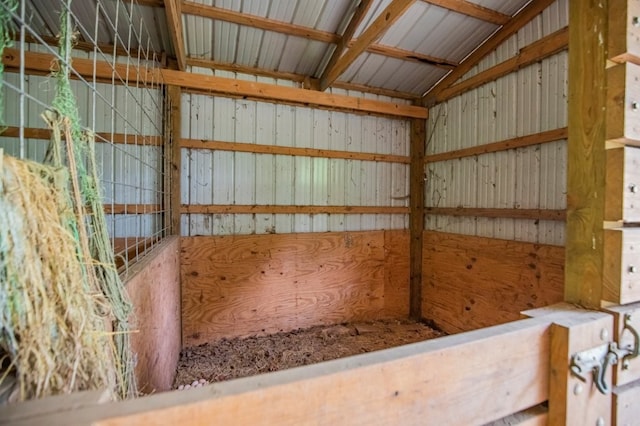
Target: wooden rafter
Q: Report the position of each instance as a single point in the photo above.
(356, 19)
(150, 3)
(371, 34)
(173, 11)
(525, 15)
(239, 18)
(472, 9)
(407, 55)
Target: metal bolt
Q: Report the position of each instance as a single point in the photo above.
(635, 106)
(577, 389)
(633, 269)
(633, 188)
(635, 21)
(625, 364)
(600, 421)
(604, 334)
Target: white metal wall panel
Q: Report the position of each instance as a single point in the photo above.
(531, 100)
(225, 177)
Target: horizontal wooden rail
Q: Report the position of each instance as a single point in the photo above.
(535, 52)
(288, 150)
(477, 384)
(276, 209)
(118, 138)
(519, 142)
(535, 214)
(132, 208)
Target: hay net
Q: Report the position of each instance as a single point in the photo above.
(63, 309)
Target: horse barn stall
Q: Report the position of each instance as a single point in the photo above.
(442, 184)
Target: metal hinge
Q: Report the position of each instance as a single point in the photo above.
(596, 360)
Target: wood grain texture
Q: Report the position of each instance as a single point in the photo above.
(624, 33)
(416, 216)
(153, 286)
(622, 196)
(586, 158)
(472, 282)
(258, 284)
(536, 214)
(626, 410)
(467, 379)
(623, 104)
(621, 269)
(173, 152)
(396, 274)
(289, 209)
(624, 375)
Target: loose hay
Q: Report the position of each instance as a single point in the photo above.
(51, 331)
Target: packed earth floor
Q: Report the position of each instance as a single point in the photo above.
(241, 357)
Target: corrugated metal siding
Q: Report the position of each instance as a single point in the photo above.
(222, 177)
(531, 100)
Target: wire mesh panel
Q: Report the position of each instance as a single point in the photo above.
(113, 44)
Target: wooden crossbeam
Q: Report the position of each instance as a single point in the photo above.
(239, 18)
(173, 12)
(407, 55)
(472, 9)
(376, 30)
(525, 15)
(358, 15)
(534, 214)
(282, 209)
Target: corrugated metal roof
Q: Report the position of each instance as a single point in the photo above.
(424, 29)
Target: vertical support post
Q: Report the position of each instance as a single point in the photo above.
(572, 401)
(416, 215)
(586, 152)
(172, 154)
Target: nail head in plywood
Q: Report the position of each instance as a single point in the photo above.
(622, 196)
(623, 104)
(624, 31)
(621, 274)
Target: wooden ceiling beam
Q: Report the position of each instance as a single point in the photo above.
(381, 24)
(212, 12)
(173, 12)
(525, 15)
(407, 55)
(150, 3)
(473, 10)
(359, 14)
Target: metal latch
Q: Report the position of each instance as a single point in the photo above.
(597, 360)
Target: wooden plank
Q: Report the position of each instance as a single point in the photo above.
(622, 196)
(174, 96)
(627, 371)
(233, 67)
(408, 55)
(623, 104)
(621, 274)
(534, 214)
(520, 19)
(398, 388)
(287, 150)
(227, 15)
(359, 13)
(472, 282)
(173, 13)
(128, 249)
(229, 86)
(626, 410)
(535, 52)
(132, 208)
(571, 401)
(153, 286)
(282, 209)
(586, 160)
(396, 274)
(473, 10)
(416, 216)
(255, 284)
(624, 31)
(513, 143)
(534, 416)
(375, 90)
(373, 32)
(100, 137)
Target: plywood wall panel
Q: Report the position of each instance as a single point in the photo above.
(257, 284)
(153, 285)
(472, 282)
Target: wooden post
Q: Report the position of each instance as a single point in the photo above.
(172, 155)
(416, 215)
(586, 152)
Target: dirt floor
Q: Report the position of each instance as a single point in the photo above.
(234, 358)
